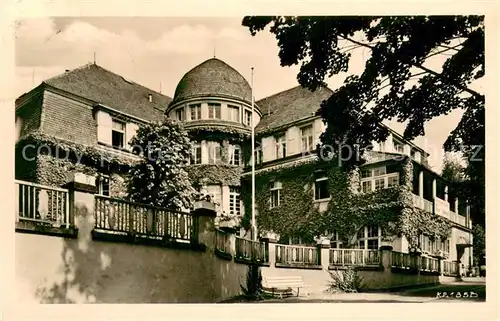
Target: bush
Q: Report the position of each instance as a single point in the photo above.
(253, 290)
(345, 281)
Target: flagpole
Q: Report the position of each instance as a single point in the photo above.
(254, 227)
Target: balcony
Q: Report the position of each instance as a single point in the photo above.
(441, 208)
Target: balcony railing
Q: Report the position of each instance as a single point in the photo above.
(404, 260)
(441, 208)
(252, 250)
(357, 257)
(122, 217)
(222, 241)
(429, 264)
(42, 205)
(300, 255)
(449, 268)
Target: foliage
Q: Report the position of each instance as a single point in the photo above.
(90, 155)
(220, 133)
(453, 170)
(253, 289)
(479, 243)
(395, 83)
(214, 174)
(345, 281)
(347, 210)
(160, 179)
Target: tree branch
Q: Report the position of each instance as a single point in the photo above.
(430, 71)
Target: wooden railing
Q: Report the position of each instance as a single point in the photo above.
(449, 268)
(429, 264)
(124, 217)
(404, 260)
(359, 257)
(42, 205)
(222, 241)
(252, 250)
(299, 255)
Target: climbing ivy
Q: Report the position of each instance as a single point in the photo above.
(347, 210)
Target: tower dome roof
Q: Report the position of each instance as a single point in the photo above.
(213, 77)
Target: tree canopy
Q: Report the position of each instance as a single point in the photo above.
(160, 179)
(397, 81)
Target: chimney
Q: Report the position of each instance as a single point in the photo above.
(150, 98)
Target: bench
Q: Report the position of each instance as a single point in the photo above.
(282, 286)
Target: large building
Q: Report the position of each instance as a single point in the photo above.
(94, 113)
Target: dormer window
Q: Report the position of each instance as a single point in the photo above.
(214, 111)
(118, 134)
(281, 146)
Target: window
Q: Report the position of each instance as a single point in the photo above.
(447, 246)
(234, 155)
(369, 237)
(195, 112)
(102, 185)
(234, 113)
(393, 181)
(366, 186)
(214, 111)
(214, 153)
(413, 154)
(379, 171)
(234, 200)
(275, 194)
(281, 146)
(307, 138)
(196, 154)
(118, 134)
(179, 114)
(321, 188)
(366, 173)
(336, 242)
(258, 155)
(398, 146)
(248, 117)
(379, 183)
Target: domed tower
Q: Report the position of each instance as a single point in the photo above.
(214, 102)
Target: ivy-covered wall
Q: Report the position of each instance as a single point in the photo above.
(348, 209)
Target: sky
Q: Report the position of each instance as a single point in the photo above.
(157, 52)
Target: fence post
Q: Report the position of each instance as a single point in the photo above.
(386, 257)
(82, 207)
(271, 239)
(323, 245)
(204, 223)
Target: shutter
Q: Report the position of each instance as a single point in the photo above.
(104, 124)
(130, 131)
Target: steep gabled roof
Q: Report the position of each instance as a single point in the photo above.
(105, 87)
(289, 106)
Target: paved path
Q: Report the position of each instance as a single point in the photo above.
(456, 291)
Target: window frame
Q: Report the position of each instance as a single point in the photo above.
(280, 146)
(275, 187)
(248, 117)
(180, 112)
(232, 159)
(234, 197)
(123, 132)
(308, 139)
(212, 147)
(230, 110)
(99, 185)
(195, 109)
(366, 238)
(216, 109)
(321, 179)
(193, 160)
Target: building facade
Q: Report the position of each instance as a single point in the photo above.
(95, 113)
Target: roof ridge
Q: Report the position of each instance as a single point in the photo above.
(279, 93)
(69, 71)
